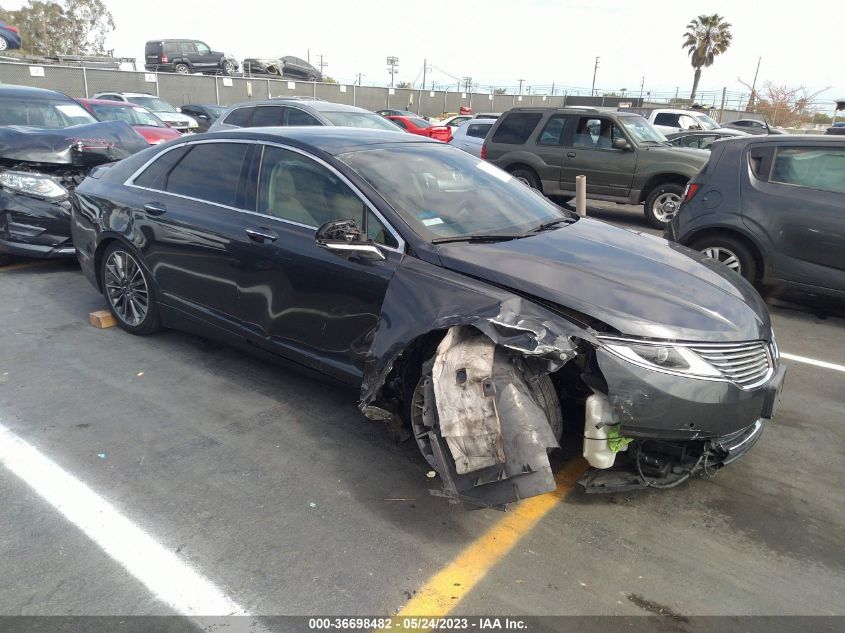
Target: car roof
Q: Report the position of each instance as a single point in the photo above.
(125, 94)
(27, 92)
(316, 104)
(329, 139)
(553, 109)
(110, 103)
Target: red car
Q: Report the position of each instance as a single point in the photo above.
(145, 122)
(416, 125)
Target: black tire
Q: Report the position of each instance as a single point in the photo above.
(182, 69)
(657, 205)
(228, 68)
(272, 70)
(527, 176)
(128, 288)
(732, 252)
(561, 200)
(4, 43)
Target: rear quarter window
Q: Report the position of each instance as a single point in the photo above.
(821, 168)
(478, 130)
(516, 128)
(155, 175)
(239, 117)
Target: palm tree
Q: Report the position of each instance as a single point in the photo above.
(706, 37)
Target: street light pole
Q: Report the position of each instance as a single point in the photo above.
(595, 69)
(393, 62)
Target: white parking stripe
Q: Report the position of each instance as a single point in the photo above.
(813, 361)
(166, 575)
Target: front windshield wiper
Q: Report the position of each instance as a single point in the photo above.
(479, 237)
(545, 226)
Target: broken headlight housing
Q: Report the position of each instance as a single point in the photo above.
(32, 184)
(663, 357)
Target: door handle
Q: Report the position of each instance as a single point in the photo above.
(570, 154)
(155, 208)
(262, 236)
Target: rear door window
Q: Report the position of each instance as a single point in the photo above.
(239, 117)
(268, 116)
(516, 128)
(155, 175)
(478, 130)
(210, 172)
(811, 167)
(172, 48)
(295, 116)
(552, 133)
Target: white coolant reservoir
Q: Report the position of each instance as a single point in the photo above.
(598, 418)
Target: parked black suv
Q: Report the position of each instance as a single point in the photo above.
(187, 56)
(623, 157)
(772, 208)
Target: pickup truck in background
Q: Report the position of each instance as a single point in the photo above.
(672, 120)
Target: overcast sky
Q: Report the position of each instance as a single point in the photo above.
(498, 42)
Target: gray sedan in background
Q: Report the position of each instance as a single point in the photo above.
(470, 135)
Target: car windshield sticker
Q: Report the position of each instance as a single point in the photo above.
(432, 221)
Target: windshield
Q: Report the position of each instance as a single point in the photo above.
(369, 120)
(134, 115)
(642, 130)
(50, 115)
(441, 191)
(421, 123)
(706, 122)
(153, 103)
(215, 110)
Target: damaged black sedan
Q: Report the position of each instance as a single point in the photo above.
(48, 144)
(471, 312)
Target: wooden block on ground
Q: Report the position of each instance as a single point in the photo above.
(102, 319)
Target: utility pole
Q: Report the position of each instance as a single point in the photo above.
(675, 102)
(393, 62)
(467, 84)
(520, 85)
(359, 75)
(595, 69)
(553, 89)
(722, 108)
(753, 96)
(425, 66)
(642, 85)
(322, 64)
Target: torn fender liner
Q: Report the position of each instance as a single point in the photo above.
(465, 398)
(501, 457)
(90, 144)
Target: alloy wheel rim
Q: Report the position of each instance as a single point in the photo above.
(182, 70)
(126, 288)
(666, 206)
(3, 44)
(724, 256)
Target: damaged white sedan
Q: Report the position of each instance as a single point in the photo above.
(475, 315)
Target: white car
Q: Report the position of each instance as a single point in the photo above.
(158, 106)
(671, 120)
(454, 121)
(470, 135)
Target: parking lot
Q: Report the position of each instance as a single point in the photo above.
(273, 488)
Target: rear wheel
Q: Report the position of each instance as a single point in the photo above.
(182, 69)
(526, 176)
(731, 252)
(4, 43)
(228, 68)
(127, 287)
(662, 204)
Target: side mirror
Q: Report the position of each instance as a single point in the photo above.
(621, 143)
(345, 238)
(202, 116)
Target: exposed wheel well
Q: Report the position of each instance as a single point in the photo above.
(759, 263)
(662, 179)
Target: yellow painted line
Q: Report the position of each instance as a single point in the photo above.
(38, 264)
(443, 591)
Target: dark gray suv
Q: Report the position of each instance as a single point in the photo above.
(772, 208)
(297, 111)
(623, 157)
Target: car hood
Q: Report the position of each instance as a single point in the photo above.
(174, 116)
(690, 155)
(88, 144)
(638, 284)
(156, 135)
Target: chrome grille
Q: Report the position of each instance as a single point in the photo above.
(746, 364)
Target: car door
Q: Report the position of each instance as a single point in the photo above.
(795, 196)
(204, 56)
(190, 199)
(589, 151)
(548, 146)
(299, 299)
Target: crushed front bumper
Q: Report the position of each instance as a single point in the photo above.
(35, 228)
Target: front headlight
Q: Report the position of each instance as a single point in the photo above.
(38, 185)
(662, 357)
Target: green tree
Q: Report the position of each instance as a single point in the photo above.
(404, 84)
(69, 27)
(329, 80)
(707, 36)
(500, 91)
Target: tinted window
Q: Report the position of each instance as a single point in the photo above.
(295, 116)
(239, 117)
(202, 49)
(478, 130)
(552, 134)
(295, 188)
(172, 48)
(814, 168)
(210, 171)
(154, 176)
(666, 118)
(400, 123)
(369, 120)
(266, 116)
(43, 114)
(517, 127)
(420, 123)
(189, 48)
